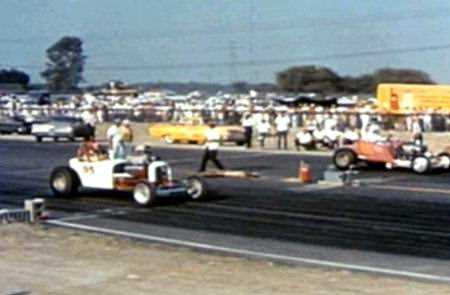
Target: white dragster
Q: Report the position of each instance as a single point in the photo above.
(148, 179)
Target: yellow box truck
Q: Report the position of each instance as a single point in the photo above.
(413, 98)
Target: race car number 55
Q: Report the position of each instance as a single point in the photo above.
(88, 169)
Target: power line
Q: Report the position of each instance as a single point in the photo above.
(233, 61)
(268, 62)
(255, 63)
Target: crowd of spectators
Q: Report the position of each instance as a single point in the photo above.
(260, 117)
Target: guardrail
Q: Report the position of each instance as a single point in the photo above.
(14, 215)
(33, 211)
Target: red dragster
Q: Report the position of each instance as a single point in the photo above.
(390, 153)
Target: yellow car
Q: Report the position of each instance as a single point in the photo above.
(191, 133)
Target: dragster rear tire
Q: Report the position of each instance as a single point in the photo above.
(64, 181)
(343, 159)
(144, 194)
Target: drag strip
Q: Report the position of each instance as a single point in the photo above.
(396, 232)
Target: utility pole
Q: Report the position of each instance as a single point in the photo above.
(251, 47)
(233, 59)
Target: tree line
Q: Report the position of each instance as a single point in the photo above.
(323, 80)
(65, 64)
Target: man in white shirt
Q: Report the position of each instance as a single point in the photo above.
(211, 148)
(282, 122)
(350, 135)
(373, 133)
(89, 118)
(304, 139)
(113, 136)
(247, 123)
(263, 128)
(427, 120)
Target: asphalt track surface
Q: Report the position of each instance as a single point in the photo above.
(394, 221)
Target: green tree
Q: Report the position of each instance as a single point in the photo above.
(406, 76)
(240, 86)
(65, 64)
(13, 76)
(309, 79)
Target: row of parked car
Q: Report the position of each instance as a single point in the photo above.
(56, 128)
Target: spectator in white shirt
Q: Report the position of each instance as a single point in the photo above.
(113, 136)
(350, 135)
(89, 118)
(304, 139)
(428, 121)
(282, 122)
(263, 129)
(416, 127)
(373, 133)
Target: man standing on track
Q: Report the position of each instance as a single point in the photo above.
(211, 148)
(247, 123)
(113, 136)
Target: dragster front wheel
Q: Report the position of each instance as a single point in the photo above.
(196, 188)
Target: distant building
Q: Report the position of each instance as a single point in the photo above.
(117, 88)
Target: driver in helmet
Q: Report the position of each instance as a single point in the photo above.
(90, 150)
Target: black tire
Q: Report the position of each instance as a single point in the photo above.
(144, 194)
(38, 139)
(421, 165)
(196, 188)
(64, 181)
(240, 143)
(343, 159)
(55, 139)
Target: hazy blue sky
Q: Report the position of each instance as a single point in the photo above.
(226, 40)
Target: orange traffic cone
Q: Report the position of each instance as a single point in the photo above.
(304, 173)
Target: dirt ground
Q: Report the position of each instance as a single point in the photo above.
(40, 260)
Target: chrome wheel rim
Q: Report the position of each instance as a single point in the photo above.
(420, 165)
(141, 194)
(343, 159)
(446, 161)
(195, 188)
(59, 182)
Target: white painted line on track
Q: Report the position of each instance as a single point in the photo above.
(256, 254)
(411, 189)
(80, 217)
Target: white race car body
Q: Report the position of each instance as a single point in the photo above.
(98, 174)
(104, 174)
(147, 179)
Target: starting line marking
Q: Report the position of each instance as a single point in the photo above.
(256, 254)
(223, 157)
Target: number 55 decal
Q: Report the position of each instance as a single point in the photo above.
(88, 169)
